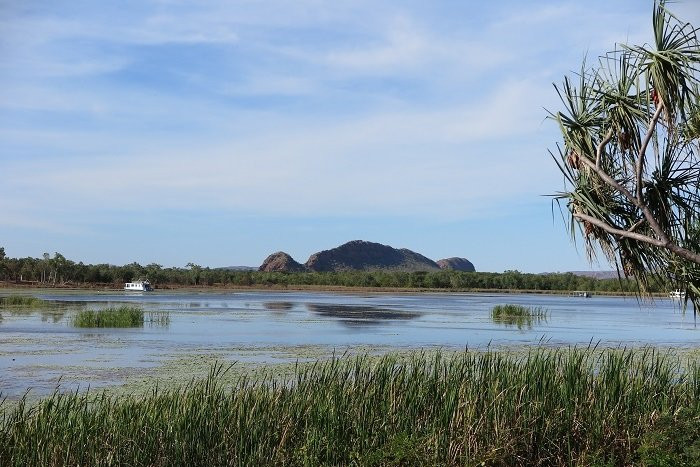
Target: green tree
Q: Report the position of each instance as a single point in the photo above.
(195, 272)
(630, 156)
(2, 262)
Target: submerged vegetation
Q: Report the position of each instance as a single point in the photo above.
(23, 301)
(547, 407)
(518, 315)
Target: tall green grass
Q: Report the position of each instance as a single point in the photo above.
(113, 317)
(23, 301)
(518, 315)
(120, 317)
(548, 407)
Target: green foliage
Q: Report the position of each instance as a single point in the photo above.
(630, 156)
(548, 407)
(518, 315)
(112, 317)
(21, 301)
(517, 311)
(32, 269)
(673, 441)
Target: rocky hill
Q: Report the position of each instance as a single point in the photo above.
(361, 255)
(456, 264)
(281, 261)
(368, 256)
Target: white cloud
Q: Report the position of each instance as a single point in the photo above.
(432, 162)
(463, 108)
(403, 46)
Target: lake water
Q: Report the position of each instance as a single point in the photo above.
(40, 347)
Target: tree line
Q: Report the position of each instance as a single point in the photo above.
(57, 270)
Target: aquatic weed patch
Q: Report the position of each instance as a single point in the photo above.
(112, 317)
(545, 407)
(21, 301)
(518, 315)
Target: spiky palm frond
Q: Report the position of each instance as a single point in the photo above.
(631, 155)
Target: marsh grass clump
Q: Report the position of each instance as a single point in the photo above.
(21, 301)
(124, 316)
(546, 407)
(518, 315)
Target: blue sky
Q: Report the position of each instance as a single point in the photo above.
(217, 132)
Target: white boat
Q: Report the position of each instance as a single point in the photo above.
(138, 286)
(677, 294)
(581, 293)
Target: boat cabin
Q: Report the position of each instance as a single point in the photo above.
(138, 286)
(677, 294)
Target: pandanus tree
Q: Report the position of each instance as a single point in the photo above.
(630, 156)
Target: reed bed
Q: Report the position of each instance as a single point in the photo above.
(548, 407)
(120, 317)
(112, 317)
(21, 301)
(518, 315)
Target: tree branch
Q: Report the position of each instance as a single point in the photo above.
(610, 181)
(641, 157)
(601, 146)
(636, 224)
(636, 200)
(620, 232)
(661, 243)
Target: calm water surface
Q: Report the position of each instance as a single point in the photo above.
(38, 347)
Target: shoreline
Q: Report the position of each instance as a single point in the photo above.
(311, 288)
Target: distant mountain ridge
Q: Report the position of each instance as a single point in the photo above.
(596, 274)
(367, 256)
(361, 255)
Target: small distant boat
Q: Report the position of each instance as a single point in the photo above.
(581, 293)
(138, 286)
(677, 294)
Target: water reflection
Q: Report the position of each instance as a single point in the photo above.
(53, 312)
(517, 315)
(278, 306)
(522, 322)
(52, 315)
(360, 315)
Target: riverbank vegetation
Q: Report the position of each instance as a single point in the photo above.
(546, 407)
(61, 271)
(21, 301)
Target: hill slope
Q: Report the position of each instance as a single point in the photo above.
(456, 264)
(281, 261)
(369, 256)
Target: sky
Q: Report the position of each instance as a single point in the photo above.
(218, 132)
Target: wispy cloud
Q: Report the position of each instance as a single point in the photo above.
(287, 109)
